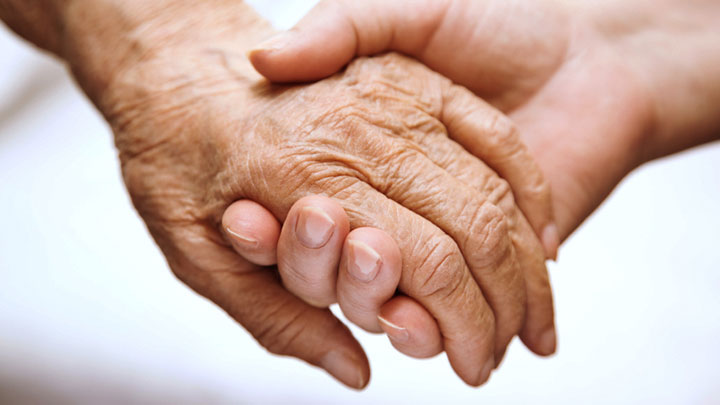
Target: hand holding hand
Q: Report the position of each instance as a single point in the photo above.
(197, 130)
(195, 138)
(589, 92)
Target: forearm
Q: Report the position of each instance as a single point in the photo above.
(673, 47)
(100, 38)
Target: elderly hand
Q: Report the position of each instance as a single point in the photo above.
(591, 95)
(196, 131)
(197, 137)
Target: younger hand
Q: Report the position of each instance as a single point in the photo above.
(582, 110)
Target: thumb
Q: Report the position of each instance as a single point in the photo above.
(278, 320)
(286, 326)
(335, 32)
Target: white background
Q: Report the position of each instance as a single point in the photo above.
(89, 312)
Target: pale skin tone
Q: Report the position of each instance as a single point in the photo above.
(591, 95)
(197, 129)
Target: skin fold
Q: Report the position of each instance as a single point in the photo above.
(198, 129)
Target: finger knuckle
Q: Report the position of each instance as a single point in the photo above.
(539, 189)
(504, 134)
(488, 241)
(499, 193)
(441, 271)
(279, 334)
(408, 177)
(506, 141)
(298, 170)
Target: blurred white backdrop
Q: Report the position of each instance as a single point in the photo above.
(89, 312)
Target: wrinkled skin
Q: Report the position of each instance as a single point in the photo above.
(183, 115)
(540, 80)
(196, 130)
(370, 138)
(591, 97)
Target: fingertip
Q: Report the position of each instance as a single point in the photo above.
(316, 219)
(343, 358)
(298, 56)
(275, 64)
(547, 344)
(380, 240)
(486, 371)
(370, 271)
(259, 57)
(410, 328)
(317, 47)
(253, 231)
(396, 333)
(270, 56)
(370, 250)
(539, 331)
(551, 241)
(286, 326)
(310, 247)
(346, 368)
(278, 42)
(543, 343)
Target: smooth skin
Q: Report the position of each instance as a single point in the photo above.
(197, 129)
(538, 62)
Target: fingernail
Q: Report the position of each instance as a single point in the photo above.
(486, 370)
(275, 43)
(245, 241)
(394, 332)
(551, 241)
(344, 368)
(548, 342)
(363, 261)
(314, 227)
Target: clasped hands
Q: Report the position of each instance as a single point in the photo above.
(397, 157)
(385, 186)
